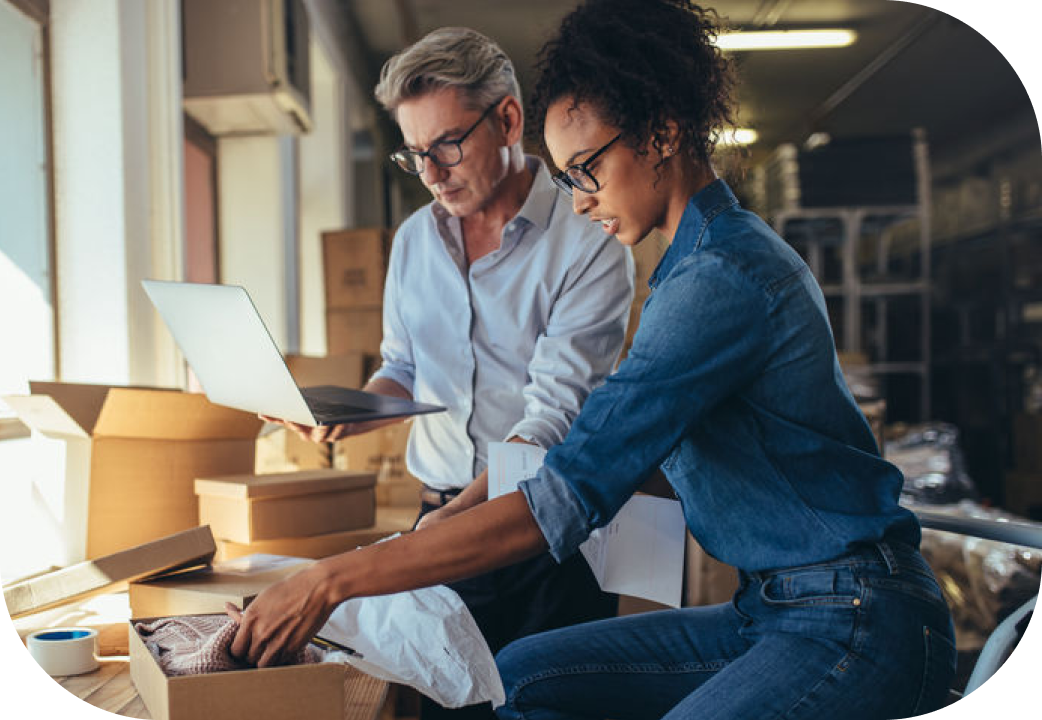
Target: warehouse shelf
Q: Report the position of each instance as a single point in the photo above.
(850, 250)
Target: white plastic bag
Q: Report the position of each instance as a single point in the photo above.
(423, 638)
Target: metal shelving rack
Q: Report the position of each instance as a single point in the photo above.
(852, 288)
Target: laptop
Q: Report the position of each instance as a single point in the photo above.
(238, 364)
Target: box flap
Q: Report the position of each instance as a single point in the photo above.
(166, 415)
(283, 484)
(111, 572)
(63, 409)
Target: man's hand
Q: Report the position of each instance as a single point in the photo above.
(325, 433)
(282, 619)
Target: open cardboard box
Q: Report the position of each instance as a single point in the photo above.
(131, 459)
(298, 692)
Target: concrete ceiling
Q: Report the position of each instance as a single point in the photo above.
(910, 67)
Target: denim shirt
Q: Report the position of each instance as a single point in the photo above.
(733, 388)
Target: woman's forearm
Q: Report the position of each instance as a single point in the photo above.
(490, 535)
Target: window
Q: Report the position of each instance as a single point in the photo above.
(27, 323)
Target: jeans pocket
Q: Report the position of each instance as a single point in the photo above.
(820, 586)
(939, 657)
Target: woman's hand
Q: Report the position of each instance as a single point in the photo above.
(283, 618)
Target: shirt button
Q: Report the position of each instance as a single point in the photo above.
(856, 602)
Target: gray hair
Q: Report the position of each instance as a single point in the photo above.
(452, 57)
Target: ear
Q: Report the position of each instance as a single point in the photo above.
(511, 120)
(665, 141)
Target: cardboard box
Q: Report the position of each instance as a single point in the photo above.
(355, 263)
(389, 520)
(707, 581)
(207, 590)
(351, 330)
(296, 692)
(346, 369)
(382, 452)
(282, 450)
(132, 456)
(246, 508)
(191, 548)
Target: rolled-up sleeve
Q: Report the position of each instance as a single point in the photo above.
(396, 352)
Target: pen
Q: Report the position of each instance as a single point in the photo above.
(330, 645)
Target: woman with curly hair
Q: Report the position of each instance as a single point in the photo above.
(732, 387)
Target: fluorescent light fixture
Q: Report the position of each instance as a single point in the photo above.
(738, 136)
(785, 39)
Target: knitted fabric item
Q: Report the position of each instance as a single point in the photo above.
(199, 644)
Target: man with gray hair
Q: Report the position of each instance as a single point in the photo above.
(500, 304)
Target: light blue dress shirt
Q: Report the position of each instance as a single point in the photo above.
(511, 345)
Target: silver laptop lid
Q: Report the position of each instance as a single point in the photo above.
(216, 324)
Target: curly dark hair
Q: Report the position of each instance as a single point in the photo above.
(640, 63)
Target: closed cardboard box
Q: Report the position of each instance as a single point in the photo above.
(206, 590)
(355, 264)
(132, 456)
(321, 691)
(389, 520)
(246, 508)
(352, 330)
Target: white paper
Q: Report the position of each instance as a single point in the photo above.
(639, 553)
(426, 639)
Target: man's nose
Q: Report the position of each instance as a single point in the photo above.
(432, 173)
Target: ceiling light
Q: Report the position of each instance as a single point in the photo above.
(785, 39)
(738, 136)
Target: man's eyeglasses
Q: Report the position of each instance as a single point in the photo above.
(579, 176)
(443, 153)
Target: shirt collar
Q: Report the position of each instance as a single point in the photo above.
(703, 206)
(538, 207)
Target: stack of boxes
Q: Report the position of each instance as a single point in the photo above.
(355, 264)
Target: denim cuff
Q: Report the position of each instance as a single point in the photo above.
(557, 511)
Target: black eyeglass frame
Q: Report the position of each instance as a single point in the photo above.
(405, 152)
(565, 180)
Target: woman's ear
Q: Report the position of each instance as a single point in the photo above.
(666, 140)
(511, 120)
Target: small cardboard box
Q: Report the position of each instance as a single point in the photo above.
(389, 520)
(707, 581)
(295, 692)
(132, 456)
(206, 590)
(190, 548)
(355, 263)
(247, 508)
(353, 330)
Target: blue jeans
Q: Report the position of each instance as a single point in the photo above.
(867, 635)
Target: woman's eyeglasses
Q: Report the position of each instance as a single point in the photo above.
(579, 176)
(443, 153)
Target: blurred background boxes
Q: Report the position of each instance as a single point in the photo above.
(382, 452)
(355, 266)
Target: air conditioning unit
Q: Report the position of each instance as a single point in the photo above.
(246, 66)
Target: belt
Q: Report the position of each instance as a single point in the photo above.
(437, 498)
